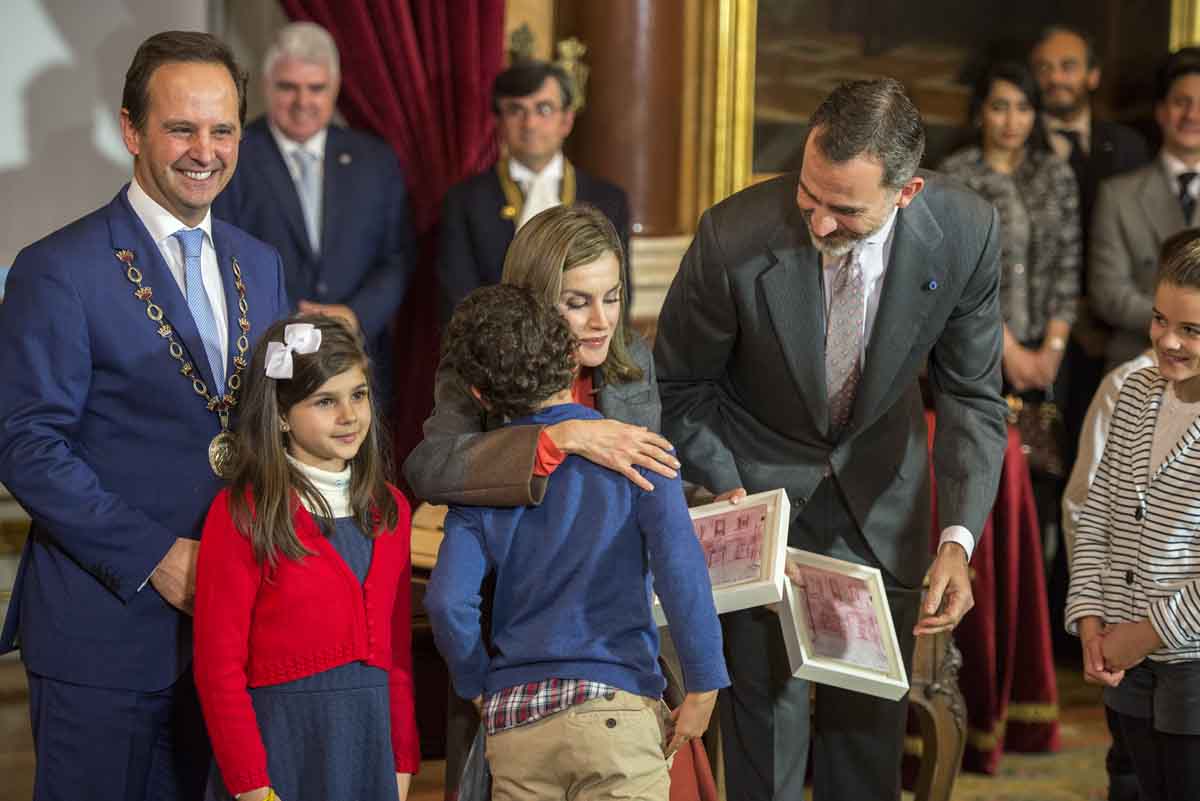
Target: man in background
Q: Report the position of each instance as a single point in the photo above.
(533, 103)
(1138, 211)
(331, 199)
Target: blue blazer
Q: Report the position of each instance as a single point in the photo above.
(367, 247)
(105, 444)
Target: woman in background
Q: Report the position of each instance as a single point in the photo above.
(1037, 199)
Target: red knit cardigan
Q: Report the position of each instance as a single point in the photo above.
(313, 614)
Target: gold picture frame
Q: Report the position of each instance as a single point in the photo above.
(731, 56)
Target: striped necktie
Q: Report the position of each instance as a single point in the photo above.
(191, 240)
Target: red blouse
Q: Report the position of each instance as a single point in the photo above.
(549, 455)
(309, 616)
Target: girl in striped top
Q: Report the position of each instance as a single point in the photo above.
(1134, 599)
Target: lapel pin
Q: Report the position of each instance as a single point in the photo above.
(508, 213)
(931, 286)
(344, 159)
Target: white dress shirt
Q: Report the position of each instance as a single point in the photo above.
(1081, 125)
(315, 146)
(541, 189)
(162, 226)
(1176, 167)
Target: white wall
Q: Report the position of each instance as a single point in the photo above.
(61, 71)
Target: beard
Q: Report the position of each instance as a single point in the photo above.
(841, 241)
(1065, 109)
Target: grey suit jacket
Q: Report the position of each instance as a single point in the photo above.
(1135, 213)
(467, 458)
(740, 359)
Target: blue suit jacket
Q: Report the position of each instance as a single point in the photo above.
(105, 444)
(367, 247)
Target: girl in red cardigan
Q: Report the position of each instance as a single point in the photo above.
(302, 643)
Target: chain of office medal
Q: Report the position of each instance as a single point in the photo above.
(219, 404)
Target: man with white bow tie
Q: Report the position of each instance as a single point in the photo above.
(533, 104)
(331, 199)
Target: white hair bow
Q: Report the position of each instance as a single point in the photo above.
(298, 338)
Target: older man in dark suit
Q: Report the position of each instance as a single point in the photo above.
(788, 353)
(331, 199)
(126, 334)
(533, 103)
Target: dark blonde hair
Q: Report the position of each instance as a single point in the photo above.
(266, 487)
(559, 239)
(1181, 260)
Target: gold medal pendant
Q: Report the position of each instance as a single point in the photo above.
(221, 454)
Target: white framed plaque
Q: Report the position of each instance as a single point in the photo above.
(838, 627)
(744, 545)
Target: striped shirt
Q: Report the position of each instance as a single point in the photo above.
(1137, 554)
(526, 703)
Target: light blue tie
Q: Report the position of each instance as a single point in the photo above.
(191, 241)
(310, 195)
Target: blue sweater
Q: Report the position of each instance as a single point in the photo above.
(573, 581)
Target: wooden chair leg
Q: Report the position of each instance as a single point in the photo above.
(941, 714)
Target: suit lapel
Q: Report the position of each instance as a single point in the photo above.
(225, 257)
(338, 159)
(128, 233)
(1160, 203)
(792, 290)
(910, 286)
(279, 180)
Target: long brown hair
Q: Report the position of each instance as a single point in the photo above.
(266, 488)
(562, 238)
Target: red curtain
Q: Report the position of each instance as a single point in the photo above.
(418, 73)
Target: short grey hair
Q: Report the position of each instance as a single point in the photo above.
(303, 41)
(872, 118)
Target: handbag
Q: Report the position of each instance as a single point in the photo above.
(1040, 424)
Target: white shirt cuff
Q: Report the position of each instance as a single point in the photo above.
(960, 535)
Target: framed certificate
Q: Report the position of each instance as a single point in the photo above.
(838, 628)
(744, 545)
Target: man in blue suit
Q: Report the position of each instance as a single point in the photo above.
(125, 337)
(332, 200)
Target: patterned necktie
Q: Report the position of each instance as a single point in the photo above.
(1186, 201)
(191, 240)
(1076, 156)
(843, 339)
(310, 195)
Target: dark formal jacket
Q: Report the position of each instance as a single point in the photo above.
(476, 231)
(1115, 149)
(367, 247)
(105, 443)
(741, 366)
(467, 458)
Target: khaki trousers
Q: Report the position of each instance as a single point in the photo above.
(607, 748)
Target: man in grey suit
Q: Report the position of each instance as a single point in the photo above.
(1138, 211)
(903, 266)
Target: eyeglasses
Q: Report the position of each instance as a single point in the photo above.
(512, 110)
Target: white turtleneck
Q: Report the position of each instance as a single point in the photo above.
(334, 486)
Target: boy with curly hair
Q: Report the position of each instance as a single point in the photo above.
(570, 690)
